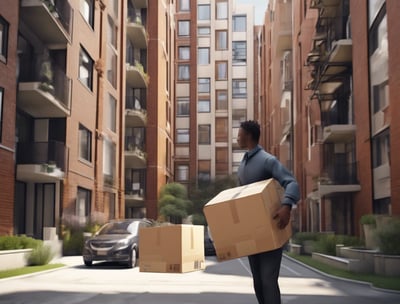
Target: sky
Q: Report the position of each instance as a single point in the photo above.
(260, 7)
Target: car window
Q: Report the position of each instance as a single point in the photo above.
(115, 228)
(133, 228)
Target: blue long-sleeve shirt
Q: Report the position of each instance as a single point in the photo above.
(258, 165)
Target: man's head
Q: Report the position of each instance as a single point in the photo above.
(249, 134)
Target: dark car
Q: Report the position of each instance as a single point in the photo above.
(116, 241)
(209, 248)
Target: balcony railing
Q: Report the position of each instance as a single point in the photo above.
(52, 80)
(52, 153)
(340, 174)
(135, 103)
(50, 20)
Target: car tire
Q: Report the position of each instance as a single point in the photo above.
(88, 263)
(132, 259)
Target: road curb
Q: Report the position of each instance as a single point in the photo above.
(340, 278)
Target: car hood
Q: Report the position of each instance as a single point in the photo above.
(111, 237)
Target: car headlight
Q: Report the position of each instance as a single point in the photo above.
(122, 243)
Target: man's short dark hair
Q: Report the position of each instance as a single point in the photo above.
(253, 128)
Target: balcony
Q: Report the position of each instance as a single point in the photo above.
(43, 95)
(339, 179)
(135, 75)
(134, 194)
(135, 115)
(283, 27)
(339, 59)
(139, 3)
(136, 32)
(339, 133)
(135, 155)
(41, 161)
(51, 23)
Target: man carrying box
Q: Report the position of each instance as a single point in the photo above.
(258, 165)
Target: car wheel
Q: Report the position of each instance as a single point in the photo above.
(88, 263)
(132, 259)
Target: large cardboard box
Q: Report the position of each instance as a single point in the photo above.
(241, 220)
(174, 248)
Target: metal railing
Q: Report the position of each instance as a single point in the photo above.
(132, 103)
(340, 174)
(62, 10)
(52, 153)
(55, 82)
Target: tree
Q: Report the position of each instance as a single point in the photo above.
(174, 204)
(203, 191)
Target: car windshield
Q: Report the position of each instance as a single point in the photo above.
(120, 228)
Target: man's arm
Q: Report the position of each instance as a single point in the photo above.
(292, 193)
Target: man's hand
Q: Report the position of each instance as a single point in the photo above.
(283, 216)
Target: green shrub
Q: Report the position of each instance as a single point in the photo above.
(199, 219)
(389, 237)
(368, 219)
(326, 244)
(39, 256)
(18, 242)
(73, 244)
(300, 237)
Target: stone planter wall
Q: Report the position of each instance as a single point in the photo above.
(388, 265)
(12, 259)
(366, 258)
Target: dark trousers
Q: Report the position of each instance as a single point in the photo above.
(265, 268)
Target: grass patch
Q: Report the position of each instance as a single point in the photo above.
(27, 270)
(379, 281)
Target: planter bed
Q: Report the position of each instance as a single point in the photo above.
(12, 259)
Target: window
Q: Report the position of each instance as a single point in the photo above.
(204, 31)
(204, 134)
(203, 85)
(380, 96)
(3, 38)
(1, 112)
(111, 113)
(222, 100)
(203, 106)
(183, 28)
(222, 10)
(203, 56)
(83, 203)
(221, 129)
(87, 11)
(182, 172)
(85, 143)
(109, 161)
(238, 116)
(239, 23)
(221, 70)
(135, 139)
(183, 72)
(221, 160)
(111, 66)
(86, 68)
(114, 5)
(112, 32)
(204, 167)
(184, 53)
(239, 88)
(203, 12)
(182, 136)
(221, 40)
(111, 206)
(182, 106)
(239, 52)
(184, 5)
(381, 149)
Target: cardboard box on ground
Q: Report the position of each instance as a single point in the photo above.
(173, 249)
(241, 220)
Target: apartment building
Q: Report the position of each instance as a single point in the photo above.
(327, 93)
(149, 104)
(9, 10)
(214, 86)
(69, 121)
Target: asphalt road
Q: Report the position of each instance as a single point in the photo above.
(228, 282)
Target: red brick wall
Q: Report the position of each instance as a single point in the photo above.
(9, 11)
(393, 8)
(359, 28)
